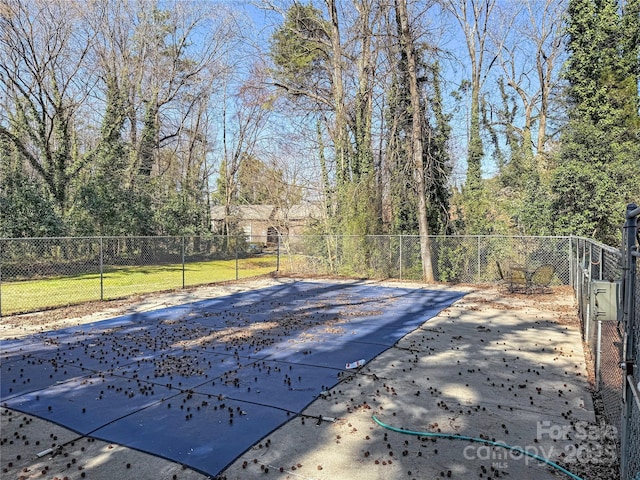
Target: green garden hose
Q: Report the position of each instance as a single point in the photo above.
(478, 440)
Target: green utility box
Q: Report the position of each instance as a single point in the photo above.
(604, 299)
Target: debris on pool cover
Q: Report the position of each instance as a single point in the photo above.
(211, 376)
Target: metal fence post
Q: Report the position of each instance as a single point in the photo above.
(578, 272)
(278, 254)
(183, 243)
(601, 262)
(400, 254)
(236, 249)
(571, 273)
(478, 272)
(101, 271)
(598, 354)
(629, 231)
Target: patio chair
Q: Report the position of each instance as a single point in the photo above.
(542, 277)
(514, 280)
(517, 281)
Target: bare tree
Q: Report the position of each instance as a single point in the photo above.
(328, 58)
(243, 121)
(340, 126)
(44, 79)
(530, 59)
(147, 50)
(366, 38)
(474, 18)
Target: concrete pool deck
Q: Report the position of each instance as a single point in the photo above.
(495, 367)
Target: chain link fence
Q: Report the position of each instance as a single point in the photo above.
(630, 405)
(608, 297)
(455, 259)
(597, 270)
(41, 273)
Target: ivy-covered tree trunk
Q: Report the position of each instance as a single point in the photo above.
(417, 147)
(103, 200)
(340, 133)
(149, 138)
(438, 170)
(363, 162)
(475, 208)
(43, 88)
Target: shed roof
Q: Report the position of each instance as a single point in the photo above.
(299, 212)
(244, 212)
(268, 212)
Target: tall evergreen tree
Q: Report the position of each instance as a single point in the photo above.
(310, 51)
(599, 152)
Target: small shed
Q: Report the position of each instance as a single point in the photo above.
(263, 223)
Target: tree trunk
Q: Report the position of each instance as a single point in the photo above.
(417, 146)
(340, 128)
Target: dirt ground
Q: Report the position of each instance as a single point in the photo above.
(320, 449)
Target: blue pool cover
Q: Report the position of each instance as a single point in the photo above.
(201, 383)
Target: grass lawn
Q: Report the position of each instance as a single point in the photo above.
(119, 282)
